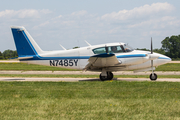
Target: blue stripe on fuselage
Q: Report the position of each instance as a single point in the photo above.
(103, 55)
(131, 56)
(164, 58)
(37, 57)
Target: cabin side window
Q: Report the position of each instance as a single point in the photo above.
(108, 49)
(115, 49)
(99, 50)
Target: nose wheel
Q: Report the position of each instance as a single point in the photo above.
(108, 77)
(153, 76)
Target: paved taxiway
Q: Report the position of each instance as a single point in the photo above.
(84, 73)
(83, 79)
(88, 72)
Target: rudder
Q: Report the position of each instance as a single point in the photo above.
(25, 44)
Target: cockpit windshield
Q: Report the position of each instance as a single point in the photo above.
(127, 48)
(113, 49)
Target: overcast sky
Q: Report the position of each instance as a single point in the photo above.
(70, 22)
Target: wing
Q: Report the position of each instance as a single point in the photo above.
(102, 61)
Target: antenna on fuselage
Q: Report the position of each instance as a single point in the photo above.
(87, 43)
(62, 47)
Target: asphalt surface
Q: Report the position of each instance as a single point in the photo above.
(88, 72)
(83, 79)
(85, 73)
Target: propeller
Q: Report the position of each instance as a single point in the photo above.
(153, 76)
(151, 46)
(152, 60)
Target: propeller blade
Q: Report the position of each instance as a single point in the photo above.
(152, 60)
(151, 46)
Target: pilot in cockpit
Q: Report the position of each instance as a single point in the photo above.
(114, 49)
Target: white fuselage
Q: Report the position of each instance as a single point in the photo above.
(104, 58)
(78, 59)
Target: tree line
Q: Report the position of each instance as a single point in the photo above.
(170, 47)
(8, 54)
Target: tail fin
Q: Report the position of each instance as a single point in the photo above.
(25, 44)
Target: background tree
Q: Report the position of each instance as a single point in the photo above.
(161, 51)
(7, 54)
(1, 56)
(171, 46)
(75, 47)
(144, 49)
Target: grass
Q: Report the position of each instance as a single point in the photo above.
(169, 67)
(30, 67)
(89, 100)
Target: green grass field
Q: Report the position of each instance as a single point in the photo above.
(169, 67)
(30, 67)
(89, 100)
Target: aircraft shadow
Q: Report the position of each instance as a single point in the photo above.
(11, 79)
(91, 80)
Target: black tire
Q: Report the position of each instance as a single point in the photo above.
(153, 78)
(108, 77)
(102, 78)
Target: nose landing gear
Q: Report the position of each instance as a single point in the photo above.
(153, 76)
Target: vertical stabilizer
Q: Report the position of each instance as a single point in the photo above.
(25, 44)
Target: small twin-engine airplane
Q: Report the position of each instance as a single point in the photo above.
(104, 58)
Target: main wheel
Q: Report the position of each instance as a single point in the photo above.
(102, 78)
(108, 77)
(153, 77)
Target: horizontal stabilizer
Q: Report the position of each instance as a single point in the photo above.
(22, 58)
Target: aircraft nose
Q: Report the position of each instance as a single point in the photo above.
(164, 59)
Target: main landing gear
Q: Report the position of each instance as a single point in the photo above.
(109, 76)
(104, 77)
